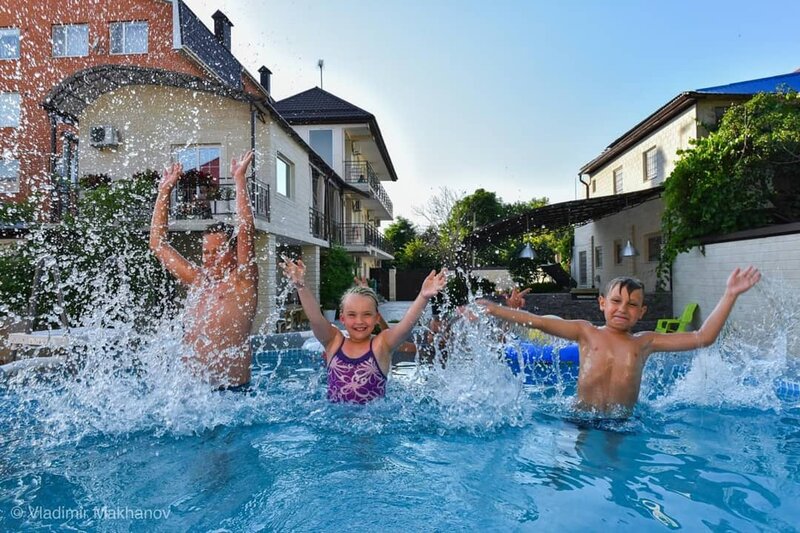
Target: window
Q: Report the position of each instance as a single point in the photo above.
(582, 270)
(9, 43)
(71, 40)
(9, 176)
(205, 158)
(594, 186)
(618, 180)
(284, 176)
(651, 164)
(9, 110)
(719, 112)
(129, 37)
(598, 257)
(654, 243)
(617, 252)
(322, 143)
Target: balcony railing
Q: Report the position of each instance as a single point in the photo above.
(322, 227)
(204, 203)
(364, 235)
(360, 172)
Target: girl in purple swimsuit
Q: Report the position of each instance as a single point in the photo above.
(359, 363)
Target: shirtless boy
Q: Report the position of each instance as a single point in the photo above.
(222, 291)
(611, 357)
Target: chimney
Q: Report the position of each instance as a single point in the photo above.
(222, 28)
(265, 74)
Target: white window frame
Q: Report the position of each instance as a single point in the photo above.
(9, 168)
(10, 117)
(650, 164)
(125, 28)
(598, 258)
(619, 180)
(6, 32)
(176, 149)
(583, 268)
(69, 35)
(288, 177)
(648, 238)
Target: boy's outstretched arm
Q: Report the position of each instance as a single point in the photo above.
(394, 336)
(323, 330)
(739, 281)
(566, 329)
(173, 261)
(245, 241)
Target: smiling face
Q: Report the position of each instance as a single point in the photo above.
(359, 314)
(622, 307)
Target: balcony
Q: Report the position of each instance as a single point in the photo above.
(322, 227)
(204, 203)
(186, 203)
(363, 177)
(359, 237)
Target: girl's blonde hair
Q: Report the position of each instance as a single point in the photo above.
(360, 291)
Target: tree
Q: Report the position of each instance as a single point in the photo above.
(744, 175)
(336, 276)
(102, 256)
(417, 254)
(399, 233)
(445, 242)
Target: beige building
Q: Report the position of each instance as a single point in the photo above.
(349, 140)
(642, 159)
(129, 119)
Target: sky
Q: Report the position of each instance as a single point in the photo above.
(510, 96)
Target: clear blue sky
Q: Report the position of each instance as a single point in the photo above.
(511, 96)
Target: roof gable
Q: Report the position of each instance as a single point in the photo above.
(316, 105)
(196, 37)
(671, 109)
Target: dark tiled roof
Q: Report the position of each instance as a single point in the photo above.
(317, 106)
(761, 85)
(196, 37)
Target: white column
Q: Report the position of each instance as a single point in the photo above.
(265, 259)
(392, 284)
(311, 256)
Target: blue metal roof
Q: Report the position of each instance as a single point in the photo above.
(761, 85)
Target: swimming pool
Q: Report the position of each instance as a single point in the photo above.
(466, 447)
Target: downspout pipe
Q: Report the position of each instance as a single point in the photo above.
(585, 184)
(253, 112)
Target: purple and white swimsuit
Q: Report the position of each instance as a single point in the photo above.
(358, 380)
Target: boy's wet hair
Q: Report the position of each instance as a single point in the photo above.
(222, 227)
(360, 291)
(624, 282)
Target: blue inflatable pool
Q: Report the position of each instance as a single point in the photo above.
(536, 361)
(537, 364)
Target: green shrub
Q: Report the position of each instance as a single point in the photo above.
(337, 269)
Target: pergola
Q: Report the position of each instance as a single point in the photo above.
(554, 216)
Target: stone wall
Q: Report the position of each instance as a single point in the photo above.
(659, 305)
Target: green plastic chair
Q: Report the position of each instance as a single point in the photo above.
(671, 325)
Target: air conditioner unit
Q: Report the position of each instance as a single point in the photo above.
(356, 206)
(103, 136)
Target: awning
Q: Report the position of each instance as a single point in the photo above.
(554, 216)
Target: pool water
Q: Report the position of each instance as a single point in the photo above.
(464, 447)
